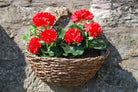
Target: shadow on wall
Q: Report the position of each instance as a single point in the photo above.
(111, 77)
(12, 65)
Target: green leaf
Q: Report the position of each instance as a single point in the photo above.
(33, 29)
(73, 50)
(61, 33)
(26, 37)
(76, 26)
(65, 54)
(49, 53)
(58, 51)
(52, 52)
(97, 44)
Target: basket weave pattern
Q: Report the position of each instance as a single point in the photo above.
(63, 71)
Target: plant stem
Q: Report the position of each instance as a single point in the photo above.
(50, 45)
(42, 51)
(47, 45)
(87, 41)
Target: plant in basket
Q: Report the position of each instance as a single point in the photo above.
(45, 41)
(62, 50)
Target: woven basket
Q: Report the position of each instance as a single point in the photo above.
(64, 71)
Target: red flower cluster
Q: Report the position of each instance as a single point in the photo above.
(82, 15)
(94, 29)
(49, 36)
(34, 45)
(43, 19)
(73, 35)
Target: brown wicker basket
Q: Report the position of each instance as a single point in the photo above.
(64, 71)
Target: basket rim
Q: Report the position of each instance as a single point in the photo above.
(64, 58)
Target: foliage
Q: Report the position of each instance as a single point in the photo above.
(81, 36)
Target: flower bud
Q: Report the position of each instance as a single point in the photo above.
(42, 42)
(90, 38)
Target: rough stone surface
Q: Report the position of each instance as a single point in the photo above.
(119, 19)
(124, 39)
(123, 12)
(12, 64)
(54, 3)
(115, 12)
(5, 3)
(101, 10)
(116, 79)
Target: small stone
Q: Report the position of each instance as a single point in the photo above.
(127, 18)
(134, 21)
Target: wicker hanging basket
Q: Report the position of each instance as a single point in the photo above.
(64, 71)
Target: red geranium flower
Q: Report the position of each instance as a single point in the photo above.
(34, 45)
(82, 15)
(94, 29)
(43, 19)
(73, 35)
(49, 36)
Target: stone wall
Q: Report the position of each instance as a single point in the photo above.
(119, 19)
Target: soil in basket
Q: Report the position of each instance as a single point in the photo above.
(90, 53)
